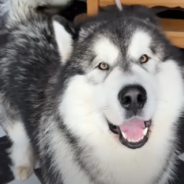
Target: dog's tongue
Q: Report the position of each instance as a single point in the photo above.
(133, 129)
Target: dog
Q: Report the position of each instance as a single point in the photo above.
(100, 107)
(25, 31)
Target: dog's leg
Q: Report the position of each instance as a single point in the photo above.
(21, 152)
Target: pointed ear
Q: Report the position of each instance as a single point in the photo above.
(64, 35)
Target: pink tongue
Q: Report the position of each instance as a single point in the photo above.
(133, 129)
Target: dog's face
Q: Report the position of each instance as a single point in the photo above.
(124, 81)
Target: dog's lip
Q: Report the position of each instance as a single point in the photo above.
(131, 144)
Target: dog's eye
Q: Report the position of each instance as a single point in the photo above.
(103, 66)
(144, 59)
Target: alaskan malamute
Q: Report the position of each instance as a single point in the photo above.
(105, 112)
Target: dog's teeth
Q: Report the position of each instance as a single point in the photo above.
(145, 131)
(124, 135)
(135, 141)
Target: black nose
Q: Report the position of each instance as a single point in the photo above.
(133, 97)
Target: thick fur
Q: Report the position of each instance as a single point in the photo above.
(30, 41)
(60, 107)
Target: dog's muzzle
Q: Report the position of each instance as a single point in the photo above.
(134, 132)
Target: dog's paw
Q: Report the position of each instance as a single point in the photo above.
(23, 161)
(22, 172)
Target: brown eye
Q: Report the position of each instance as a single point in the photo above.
(144, 58)
(103, 66)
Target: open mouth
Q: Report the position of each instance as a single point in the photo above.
(133, 133)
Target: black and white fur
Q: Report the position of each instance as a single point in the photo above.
(60, 105)
(30, 42)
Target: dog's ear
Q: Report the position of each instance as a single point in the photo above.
(65, 34)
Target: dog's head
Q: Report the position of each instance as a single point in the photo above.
(122, 82)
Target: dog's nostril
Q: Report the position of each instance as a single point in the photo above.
(126, 100)
(133, 97)
(141, 99)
